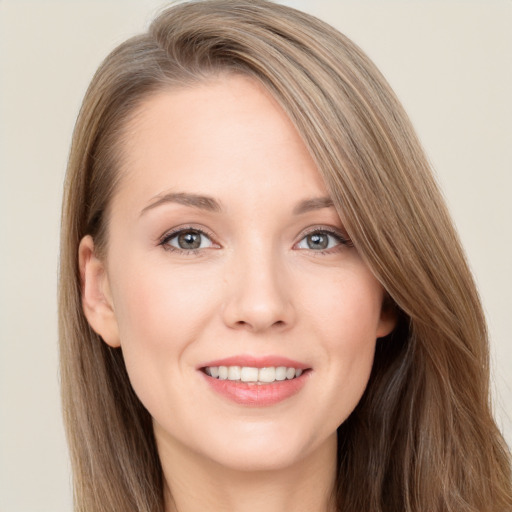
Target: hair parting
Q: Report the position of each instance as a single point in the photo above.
(423, 437)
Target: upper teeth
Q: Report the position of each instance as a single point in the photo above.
(249, 374)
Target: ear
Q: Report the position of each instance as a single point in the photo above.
(96, 297)
(388, 317)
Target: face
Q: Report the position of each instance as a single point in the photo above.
(246, 318)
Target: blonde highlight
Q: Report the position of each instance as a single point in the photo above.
(423, 436)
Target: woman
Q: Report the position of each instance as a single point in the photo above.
(270, 308)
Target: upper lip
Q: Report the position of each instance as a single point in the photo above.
(256, 362)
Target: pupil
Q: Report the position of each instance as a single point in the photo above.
(318, 241)
(189, 240)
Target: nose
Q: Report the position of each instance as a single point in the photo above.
(258, 294)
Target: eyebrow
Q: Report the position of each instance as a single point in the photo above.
(210, 204)
(316, 203)
(184, 198)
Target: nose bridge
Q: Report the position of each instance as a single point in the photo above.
(258, 292)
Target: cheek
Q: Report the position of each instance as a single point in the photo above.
(160, 314)
(355, 317)
(347, 308)
(346, 319)
(156, 304)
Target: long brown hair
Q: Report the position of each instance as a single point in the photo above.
(423, 437)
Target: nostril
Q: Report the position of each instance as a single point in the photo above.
(277, 323)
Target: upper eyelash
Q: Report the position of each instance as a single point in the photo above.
(317, 229)
(330, 231)
(176, 231)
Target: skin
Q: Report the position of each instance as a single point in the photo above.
(255, 286)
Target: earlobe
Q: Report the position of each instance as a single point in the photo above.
(97, 301)
(388, 318)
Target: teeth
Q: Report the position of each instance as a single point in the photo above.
(233, 372)
(281, 373)
(250, 374)
(267, 374)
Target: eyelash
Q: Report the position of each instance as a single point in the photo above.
(167, 237)
(320, 230)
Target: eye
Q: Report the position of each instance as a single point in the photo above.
(321, 240)
(187, 240)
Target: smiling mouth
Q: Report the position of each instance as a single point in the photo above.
(248, 374)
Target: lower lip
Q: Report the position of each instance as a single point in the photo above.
(257, 395)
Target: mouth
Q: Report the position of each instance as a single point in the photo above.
(256, 382)
(250, 374)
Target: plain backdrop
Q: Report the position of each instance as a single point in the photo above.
(448, 61)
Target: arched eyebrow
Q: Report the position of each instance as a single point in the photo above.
(315, 203)
(184, 198)
(210, 204)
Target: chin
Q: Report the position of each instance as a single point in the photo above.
(252, 461)
(261, 451)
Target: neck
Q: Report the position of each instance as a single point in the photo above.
(193, 483)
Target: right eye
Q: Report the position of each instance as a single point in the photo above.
(187, 240)
(320, 241)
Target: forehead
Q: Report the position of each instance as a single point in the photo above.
(222, 134)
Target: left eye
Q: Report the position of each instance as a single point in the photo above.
(189, 239)
(319, 241)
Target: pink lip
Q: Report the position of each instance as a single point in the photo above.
(256, 362)
(257, 395)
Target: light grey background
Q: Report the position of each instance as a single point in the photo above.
(449, 62)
